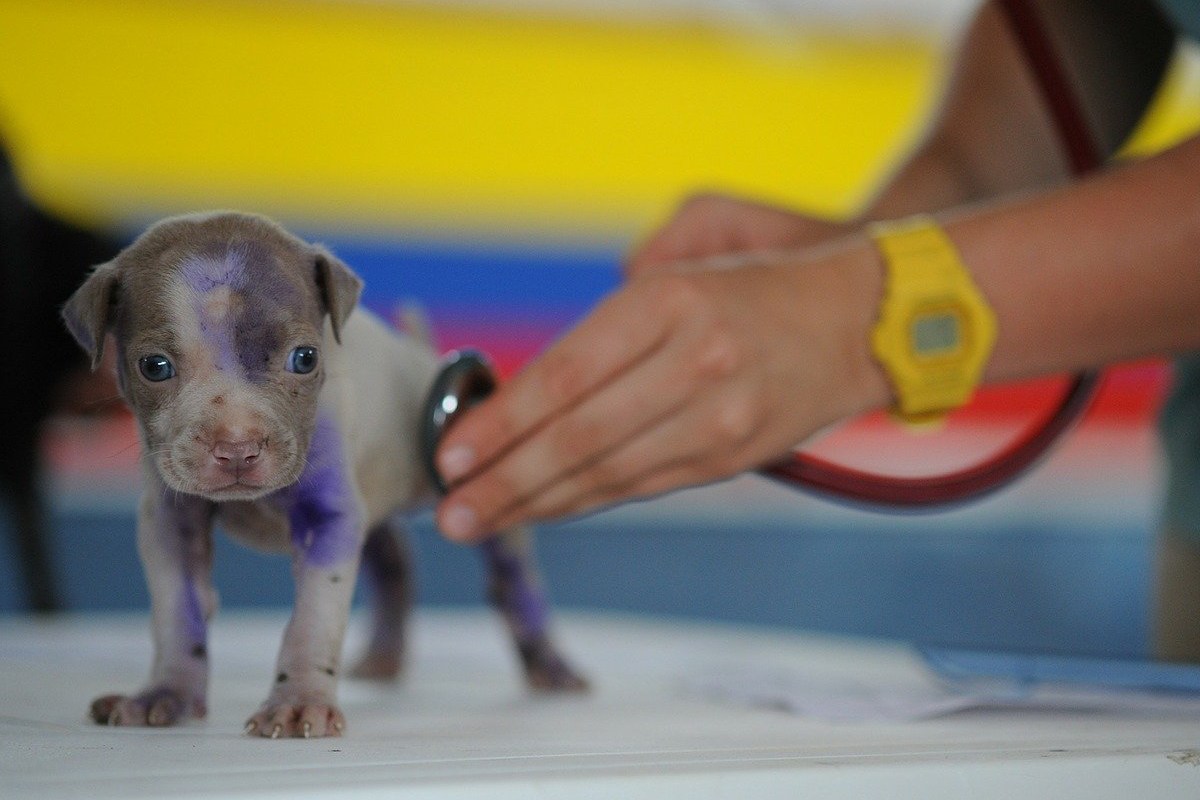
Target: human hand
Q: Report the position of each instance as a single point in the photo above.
(711, 224)
(682, 376)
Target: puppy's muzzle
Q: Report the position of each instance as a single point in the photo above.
(237, 458)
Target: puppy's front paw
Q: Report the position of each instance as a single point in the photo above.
(300, 719)
(156, 707)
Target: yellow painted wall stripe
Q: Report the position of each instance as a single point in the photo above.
(408, 112)
(398, 114)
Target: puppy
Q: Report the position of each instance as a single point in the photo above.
(266, 403)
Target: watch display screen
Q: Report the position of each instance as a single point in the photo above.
(937, 334)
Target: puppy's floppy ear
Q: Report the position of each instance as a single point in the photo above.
(339, 288)
(90, 310)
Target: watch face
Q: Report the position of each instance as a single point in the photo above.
(936, 333)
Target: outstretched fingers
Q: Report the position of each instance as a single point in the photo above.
(618, 372)
(710, 440)
(682, 404)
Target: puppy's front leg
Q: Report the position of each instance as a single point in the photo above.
(174, 537)
(303, 700)
(327, 534)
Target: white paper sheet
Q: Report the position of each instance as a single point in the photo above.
(833, 698)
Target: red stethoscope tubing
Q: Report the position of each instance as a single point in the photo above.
(832, 480)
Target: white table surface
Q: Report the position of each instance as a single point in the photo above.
(460, 725)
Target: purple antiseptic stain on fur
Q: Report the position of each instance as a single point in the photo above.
(512, 591)
(205, 275)
(216, 266)
(246, 340)
(189, 519)
(321, 506)
(195, 627)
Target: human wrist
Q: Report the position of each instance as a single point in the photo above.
(936, 330)
(844, 286)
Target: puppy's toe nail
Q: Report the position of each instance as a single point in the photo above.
(250, 728)
(307, 730)
(276, 731)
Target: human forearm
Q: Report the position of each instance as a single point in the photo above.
(1105, 270)
(990, 134)
(1101, 271)
(704, 369)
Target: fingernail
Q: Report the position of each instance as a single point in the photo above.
(455, 462)
(458, 522)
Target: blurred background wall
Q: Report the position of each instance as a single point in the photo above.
(492, 161)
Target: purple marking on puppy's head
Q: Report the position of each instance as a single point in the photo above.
(240, 299)
(209, 313)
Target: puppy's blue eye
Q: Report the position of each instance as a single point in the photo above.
(156, 368)
(302, 360)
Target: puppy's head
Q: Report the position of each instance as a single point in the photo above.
(218, 323)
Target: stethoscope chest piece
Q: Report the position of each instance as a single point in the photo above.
(465, 378)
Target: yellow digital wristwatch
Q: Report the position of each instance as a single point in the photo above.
(935, 330)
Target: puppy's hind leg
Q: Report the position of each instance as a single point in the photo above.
(514, 590)
(387, 566)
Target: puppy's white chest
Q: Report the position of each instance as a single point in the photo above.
(260, 524)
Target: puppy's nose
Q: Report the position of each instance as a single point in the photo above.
(236, 456)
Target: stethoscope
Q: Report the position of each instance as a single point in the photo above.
(466, 377)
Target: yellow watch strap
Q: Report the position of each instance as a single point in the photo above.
(935, 331)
